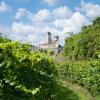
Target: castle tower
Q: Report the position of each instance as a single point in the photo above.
(56, 38)
(49, 38)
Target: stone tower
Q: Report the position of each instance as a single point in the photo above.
(56, 38)
(49, 38)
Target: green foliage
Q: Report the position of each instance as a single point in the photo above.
(4, 40)
(64, 93)
(86, 44)
(25, 75)
(50, 52)
(84, 73)
(83, 46)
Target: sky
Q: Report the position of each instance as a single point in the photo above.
(30, 20)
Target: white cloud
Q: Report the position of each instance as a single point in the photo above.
(4, 7)
(21, 28)
(89, 9)
(22, 32)
(41, 22)
(21, 12)
(74, 23)
(44, 14)
(4, 30)
(78, 21)
(58, 21)
(33, 33)
(41, 15)
(62, 12)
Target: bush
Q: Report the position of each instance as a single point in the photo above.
(86, 73)
(84, 45)
(24, 74)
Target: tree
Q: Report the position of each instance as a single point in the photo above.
(24, 74)
(86, 44)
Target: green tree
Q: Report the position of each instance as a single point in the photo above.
(86, 44)
(25, 75)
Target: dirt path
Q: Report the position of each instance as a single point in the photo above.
(81, 91)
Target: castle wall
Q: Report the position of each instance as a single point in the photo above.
(48, 46)
(51, 44)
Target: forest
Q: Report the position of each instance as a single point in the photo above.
(36, 75)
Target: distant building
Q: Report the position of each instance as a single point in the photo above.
(34, 48)
(52, 44)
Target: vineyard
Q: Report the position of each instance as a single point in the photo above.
(84, 73)
(35, 75)
(25, 74)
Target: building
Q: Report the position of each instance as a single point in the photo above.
(52, 44)
(34, 48)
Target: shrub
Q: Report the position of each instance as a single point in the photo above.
(25, 74)
(86, 73)
(85, 44)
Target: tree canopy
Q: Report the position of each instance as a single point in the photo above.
(25, 74)
(85, 44)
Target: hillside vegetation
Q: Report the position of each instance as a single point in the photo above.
(25, 74)
(84, 45)
(82, 52)
(34, 75)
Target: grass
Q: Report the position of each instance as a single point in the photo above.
(71, 91)
(79, 91)
(64, 93)
(82, 92)
(97, 97)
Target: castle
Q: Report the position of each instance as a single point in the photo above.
(52, 44)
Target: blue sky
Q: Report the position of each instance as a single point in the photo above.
(29, 20)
